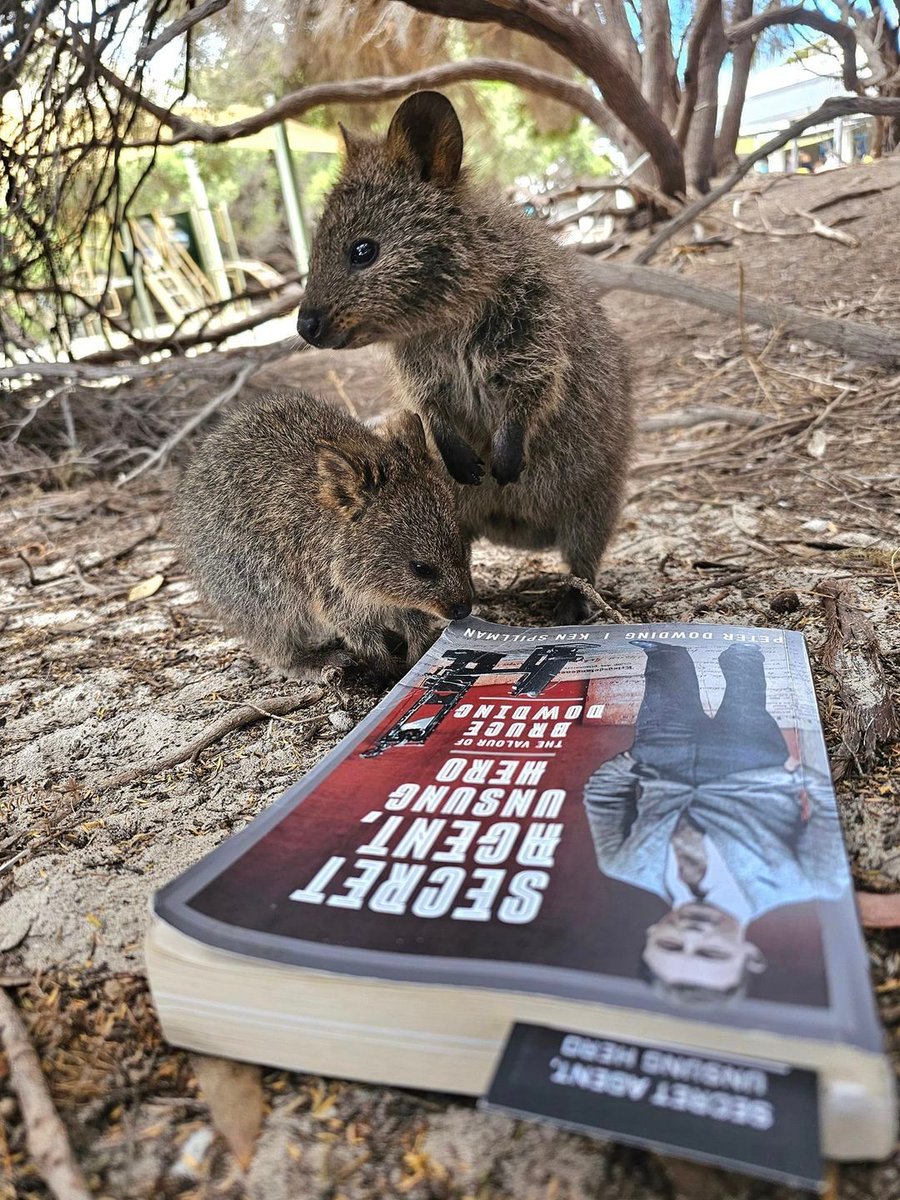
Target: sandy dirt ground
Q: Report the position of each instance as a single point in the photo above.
(738, 521)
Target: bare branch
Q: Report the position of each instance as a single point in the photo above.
(741, 62)
(202, 414)
(699, 29)
(836, 106)
(239, 718)
(862, 29)
(361, 91)
(856, 339)
(182, 25)
(796, 14)
(588, 49)
(48, 1141)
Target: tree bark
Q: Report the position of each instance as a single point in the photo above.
(796, 14)
(699, 154)
(659, 79)
(855, 339)
(589, 50)
(741, 62)
(705, 14)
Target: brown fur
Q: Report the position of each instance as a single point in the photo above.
(498, 339)
(301, 525)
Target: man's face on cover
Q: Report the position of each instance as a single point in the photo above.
(700, 945)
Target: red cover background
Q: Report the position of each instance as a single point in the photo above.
(587, 921)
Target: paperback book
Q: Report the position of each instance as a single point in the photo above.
(620, 834)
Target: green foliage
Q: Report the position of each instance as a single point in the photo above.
(503, 145)
(506, 145)
(245, 180)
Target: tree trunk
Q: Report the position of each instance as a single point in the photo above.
(741, 62)
(699, 150)
(659, 80)
(589, 50)
(796, 14)
(706, 10)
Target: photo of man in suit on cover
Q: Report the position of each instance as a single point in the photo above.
(713, 815)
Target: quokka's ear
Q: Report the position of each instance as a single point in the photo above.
(425, 133)
(406, 427)
(348, 479)
(352, 143)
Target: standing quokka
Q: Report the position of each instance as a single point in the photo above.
(498, 339)
(321, 543)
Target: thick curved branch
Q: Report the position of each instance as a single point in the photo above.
(865, 30)
(796, 14)
(836, 106)
(588, 49)
(360, 91)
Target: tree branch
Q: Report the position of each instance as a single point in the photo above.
(741, 62)
(702, 22)
(47, 1138)
(361, 91)
(836, 106)
(855, 339)
(862, 29)
(588, 49)
(796, 14)
(238, 718)
(182, 25)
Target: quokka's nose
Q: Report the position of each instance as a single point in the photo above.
(310, 325)
(458, 611)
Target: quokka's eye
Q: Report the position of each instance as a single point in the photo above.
(363, 253)
(423, 570)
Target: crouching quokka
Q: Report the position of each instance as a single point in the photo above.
(498, 337)
(324, 545)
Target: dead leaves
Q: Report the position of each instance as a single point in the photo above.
(234, 1094)
(146, 588)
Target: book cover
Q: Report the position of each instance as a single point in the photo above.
(640, 816)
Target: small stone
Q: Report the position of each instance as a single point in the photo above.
(341, 720)
(189, 1164)
(785, 602)
(8, 1108)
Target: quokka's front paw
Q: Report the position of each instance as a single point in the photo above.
(508, 453)
(461, 460)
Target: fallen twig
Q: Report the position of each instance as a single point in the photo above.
(868, 718)
(856, 339)
(828, 231)
(687, 419)
(680, 593)
(198, 418)
(591, 592)
(858, 194)
(247, 714)
(48, 1141)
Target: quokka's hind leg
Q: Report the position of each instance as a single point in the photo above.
(309, 664)
(582, 547)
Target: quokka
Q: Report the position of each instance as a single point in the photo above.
(498, 339)
(326, 546)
